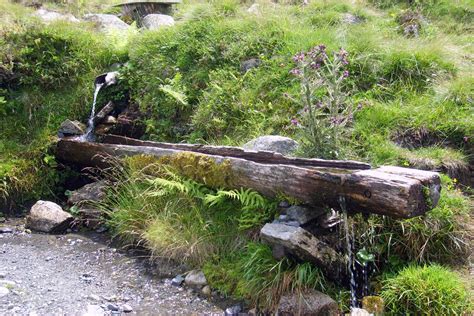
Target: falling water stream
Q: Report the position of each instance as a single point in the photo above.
(357, 262)
(349, 237)
(89, 135)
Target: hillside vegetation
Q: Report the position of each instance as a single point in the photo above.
(407, 99)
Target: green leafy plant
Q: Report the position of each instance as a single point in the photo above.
(326, 113)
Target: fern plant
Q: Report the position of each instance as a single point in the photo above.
(255, 208)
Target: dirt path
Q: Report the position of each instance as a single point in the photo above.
(81, 275)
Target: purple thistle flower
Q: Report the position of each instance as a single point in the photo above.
(299, 57)
(342, 56)
(295, 72)
(294, 122)
(345, 74)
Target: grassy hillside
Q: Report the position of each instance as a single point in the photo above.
(405, 98)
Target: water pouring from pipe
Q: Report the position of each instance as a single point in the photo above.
(101, 81)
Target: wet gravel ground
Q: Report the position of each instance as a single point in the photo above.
(80, 274)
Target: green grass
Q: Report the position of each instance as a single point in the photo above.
(439, 236)
(187, 79)
(53, 67)
(426, 290)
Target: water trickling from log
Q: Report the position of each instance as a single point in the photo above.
(89, 135)
(358, 261)
(349, 238)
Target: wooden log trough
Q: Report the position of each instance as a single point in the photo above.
(392, 191)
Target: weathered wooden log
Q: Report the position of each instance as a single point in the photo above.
(266, 157)
(402, 193)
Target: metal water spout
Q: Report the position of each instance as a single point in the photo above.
(107, 79)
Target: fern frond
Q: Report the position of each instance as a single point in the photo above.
(176, 95)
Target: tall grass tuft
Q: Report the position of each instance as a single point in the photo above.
(426, 290)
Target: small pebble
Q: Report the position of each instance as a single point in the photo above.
(6, 230)
(233, 311)
(112, 307)
(284, 204)
(4, 291)
(94, 297)
(206, 290)
(177, 280)
(127, 308)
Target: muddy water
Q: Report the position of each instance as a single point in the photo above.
(74, 273)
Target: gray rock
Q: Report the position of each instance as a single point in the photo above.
(274, 143)
(177, 280)
(112, 307)
(349, 18)
(94, 297)
(206, 290)
(93, 310)
(157, 21)
(48, 217)
(249, 64)
(4, 291)
(51, 16)
(127, 308)
(233, 310)
(195, 278)
(303, 245)
(6, 230)
(3, 275)
(93, 192)
(284, 204)
(71, 128)
(302, 214)
(107, 22)
(312, 303)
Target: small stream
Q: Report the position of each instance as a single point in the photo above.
(84, 274)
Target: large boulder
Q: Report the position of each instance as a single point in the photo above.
(48, 217)
(71, 128)
(312, 303)
(93, 192)
(157, 21)
(51, 16)
(275, 143)
(300, 243)
(107, 22)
